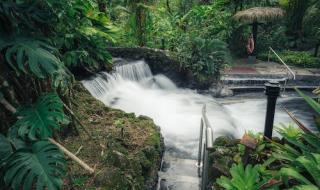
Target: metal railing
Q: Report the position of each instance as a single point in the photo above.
(289, 70)
(205, 144)
(287, 67)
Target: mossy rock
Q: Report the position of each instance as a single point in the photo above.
(126, 150)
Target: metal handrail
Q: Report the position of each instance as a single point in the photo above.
(287, 67)
(204, 147)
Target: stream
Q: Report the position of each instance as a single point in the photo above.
(133, 88)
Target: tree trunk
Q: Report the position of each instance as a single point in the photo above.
(168, 7)
(255, 37)
(316, 49)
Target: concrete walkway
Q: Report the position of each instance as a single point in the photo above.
(241, 66)
(243, 76)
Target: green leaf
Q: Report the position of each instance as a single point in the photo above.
(315, 105)
(39, 120)
(313, 140)
(5, 149)
(224, 182)
(42, 165)
(32, 57)
(291, 172)
(15, 139)
(310, 163)
(242, 178)
(305, 187)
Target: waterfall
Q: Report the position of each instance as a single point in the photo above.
(133, 88)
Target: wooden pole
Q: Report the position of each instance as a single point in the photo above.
(255, 36)
(77, 120)
(72, 156)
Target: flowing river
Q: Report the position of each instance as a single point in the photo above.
(133, 88)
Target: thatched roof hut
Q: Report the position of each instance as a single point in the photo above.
(259, 14)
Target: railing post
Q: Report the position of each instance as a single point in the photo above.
(204, 181)
(200, 147)
(204, 147)
(272, 91)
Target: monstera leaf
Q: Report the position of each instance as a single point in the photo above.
(40, 166)
(39, 120)
(5, 149)
(31, 57)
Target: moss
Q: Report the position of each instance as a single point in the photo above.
(126, 150)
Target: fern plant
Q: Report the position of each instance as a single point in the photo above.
(39, 120)
(243, 178)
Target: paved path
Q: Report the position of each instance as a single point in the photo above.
(241, 66)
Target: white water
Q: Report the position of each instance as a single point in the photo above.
(133, 88)
(177, 111)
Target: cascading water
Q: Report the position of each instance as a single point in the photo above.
(133, 88)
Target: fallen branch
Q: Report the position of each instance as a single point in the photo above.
(72, 156)
(13, 110)
(77, 120)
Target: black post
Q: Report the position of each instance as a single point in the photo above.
(272, 91)
(163, 46)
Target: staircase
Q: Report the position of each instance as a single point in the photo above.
(255, 82)
(238, 81)
(178, 174)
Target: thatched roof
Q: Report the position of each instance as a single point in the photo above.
(259, 14)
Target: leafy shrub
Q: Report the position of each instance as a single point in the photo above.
(300, 154)
(27, 158)
(295, 58)
(204, 57)
(244, 178)
(208, 21)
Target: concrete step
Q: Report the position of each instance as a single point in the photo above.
(262, 88)
(231, 81)
(178, 174)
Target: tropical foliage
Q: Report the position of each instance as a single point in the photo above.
(204, 57)
(44, 42)
(42, 164)
(248, 177)
(39, 42)
(293, 164)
